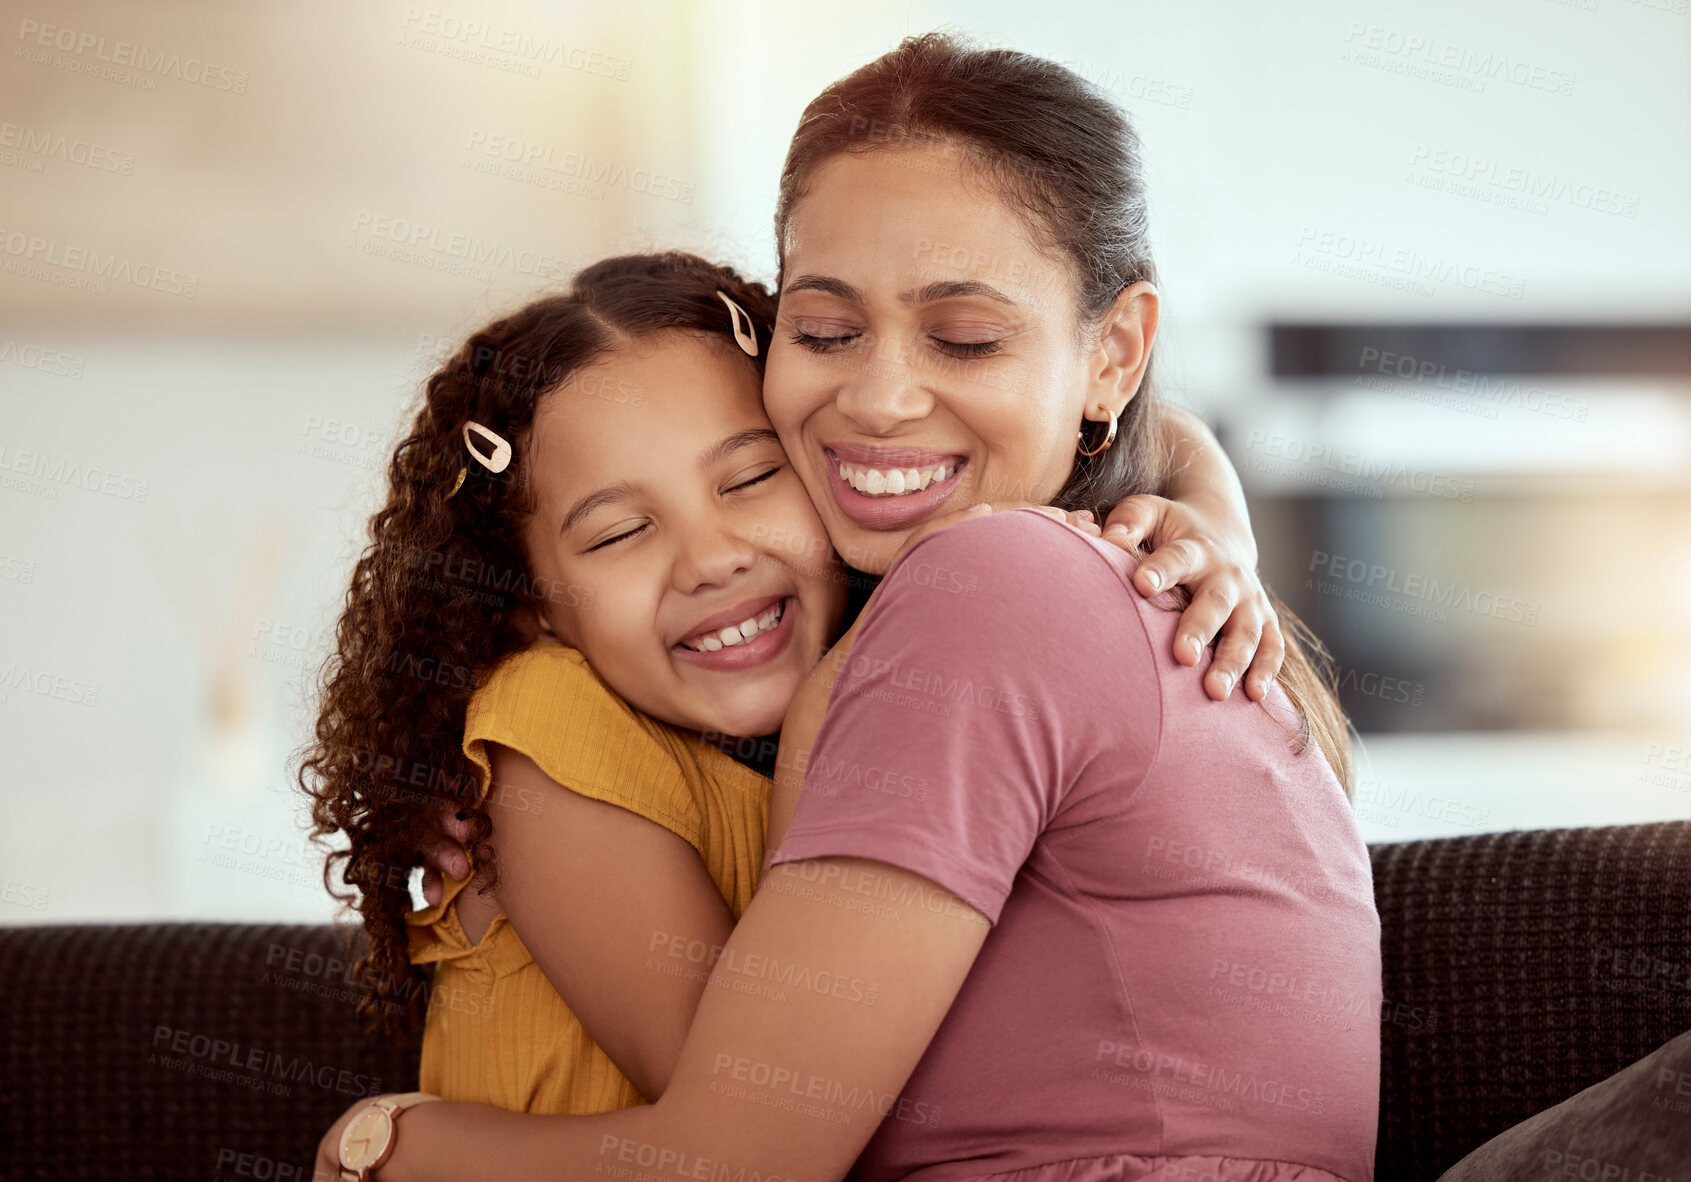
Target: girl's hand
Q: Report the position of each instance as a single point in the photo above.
(1227, 596)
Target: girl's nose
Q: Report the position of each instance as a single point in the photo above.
(711, 556)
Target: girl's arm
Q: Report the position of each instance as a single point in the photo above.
(1200, 537)
(600, 895)
(808, 1001)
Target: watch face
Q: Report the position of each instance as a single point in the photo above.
(366, 1138)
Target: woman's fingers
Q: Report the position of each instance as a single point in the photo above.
(457, 826)
(1134, 520)
(431, 885)
(1265, 666)
(1232, 657)
(449, 858)
(1213, 604)
(1081, 519)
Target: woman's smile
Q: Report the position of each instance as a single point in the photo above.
(890, 487)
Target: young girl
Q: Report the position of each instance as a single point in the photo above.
(593, 550)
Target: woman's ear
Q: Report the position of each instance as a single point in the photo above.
(1122, 352)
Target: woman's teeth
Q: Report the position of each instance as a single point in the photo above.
(893, 482)
(740, 633)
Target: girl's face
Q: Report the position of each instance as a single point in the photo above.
(927, 352)
(685, 561)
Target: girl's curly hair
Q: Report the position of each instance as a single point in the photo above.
(433, 603)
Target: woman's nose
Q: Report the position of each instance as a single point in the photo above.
(885, 391)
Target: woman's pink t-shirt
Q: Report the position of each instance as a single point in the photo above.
(1183, 977)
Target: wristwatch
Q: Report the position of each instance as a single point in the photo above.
(368, 1141)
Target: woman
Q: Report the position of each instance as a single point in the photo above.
(951, 915)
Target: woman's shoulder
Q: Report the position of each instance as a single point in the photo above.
(1007, 564)
(1011, 599)
(548, 703)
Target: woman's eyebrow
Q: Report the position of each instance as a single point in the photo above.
(939, 290)
(827, 285)
(951, 290)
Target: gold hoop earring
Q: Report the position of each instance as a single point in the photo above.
(1104, 446)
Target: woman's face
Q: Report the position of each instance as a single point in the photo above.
(674, 545)
(926, 354)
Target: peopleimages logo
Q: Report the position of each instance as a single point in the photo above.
(30, 252)
(129, 56)
(410, 241)
(1447, 61)
(50, 145)
(543, 159)
(1357, 257)
(1310, 460)
(1366, 582)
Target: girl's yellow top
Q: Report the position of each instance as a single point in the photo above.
(497, 1031)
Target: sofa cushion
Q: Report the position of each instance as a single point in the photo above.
(191, 1050)
(1521, 968)
(1635, 1125)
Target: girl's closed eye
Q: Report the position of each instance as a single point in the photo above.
(755, 480)
(636, 531)
(621, 537)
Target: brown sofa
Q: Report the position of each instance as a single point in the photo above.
(1519, 968)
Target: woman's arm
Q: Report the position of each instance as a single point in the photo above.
(599, 894)
(1200, 537)
(809, 1001)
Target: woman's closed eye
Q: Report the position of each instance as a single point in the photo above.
(817, 343)
(967, 349)
(961, 349)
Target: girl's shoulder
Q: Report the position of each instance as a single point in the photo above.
(549, 704)
(541, 682)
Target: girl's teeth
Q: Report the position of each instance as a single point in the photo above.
(876, 482)
(747, 630)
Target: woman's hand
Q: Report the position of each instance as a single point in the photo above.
(1188, 549)
(447, 854)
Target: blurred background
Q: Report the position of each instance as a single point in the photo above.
(1426, 269)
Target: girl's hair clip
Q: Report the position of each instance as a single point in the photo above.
(745, 337)
(497, 461)
(501, 457)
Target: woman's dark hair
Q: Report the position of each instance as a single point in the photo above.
(435, 594)
(1058, 150)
